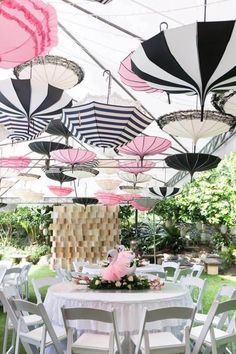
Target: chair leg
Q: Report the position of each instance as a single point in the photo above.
(4, 349)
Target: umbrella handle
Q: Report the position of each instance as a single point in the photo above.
(108, 72)
(163, 24)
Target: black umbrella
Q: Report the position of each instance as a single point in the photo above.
(85, 201)
(59, 176)
(56, 127)
(27, 106)
(164, 192)
(105, 125)
(197, 58)
(192, 162)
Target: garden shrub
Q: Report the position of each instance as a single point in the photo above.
(37, 251)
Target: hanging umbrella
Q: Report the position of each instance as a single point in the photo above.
(56, 127)
(226, 103)
(4, 183)
(145, 146)
(134, 179)
(73, 156)
(108, 198)
(85, 201)
(52, 69)
(129, 78)
(108, 184)
(60, 191)
(27, 106)
(59, 176)
(131, 189)
(46, 147)
(192, 162)
(28, 195)
(104, 125)
(30, 30)
(8, 172)
(164, 192)
(16, 162)
(108, 167)
(187, 124)
(28, 176)
(3, 205)
(136, 167)
(80, 172)
(197, 58)
(146, 202)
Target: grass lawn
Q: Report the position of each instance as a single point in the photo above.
(214, 282)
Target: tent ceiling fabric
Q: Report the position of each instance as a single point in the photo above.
(99, 37)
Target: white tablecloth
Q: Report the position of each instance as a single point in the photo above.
(128, 304)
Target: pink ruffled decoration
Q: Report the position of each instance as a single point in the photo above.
(31, 26)
(119, 267)
(129, 78)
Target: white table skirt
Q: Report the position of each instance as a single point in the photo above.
(129, 305)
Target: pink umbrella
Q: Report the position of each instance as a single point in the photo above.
(129, 197)
(108, 198)
(145, 146)
(138, 206)
(17, 162)
(136, 167)
(129, 78)
(31, 28)
(73, 156)
(60, 191)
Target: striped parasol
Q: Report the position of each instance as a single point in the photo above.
(27, 107)
(105, 125)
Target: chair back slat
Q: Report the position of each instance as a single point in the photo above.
(170, 312)
(79, 313)
(38, 284)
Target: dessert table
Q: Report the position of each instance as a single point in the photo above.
(129, 305)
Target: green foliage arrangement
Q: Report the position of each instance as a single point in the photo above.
(128, 282)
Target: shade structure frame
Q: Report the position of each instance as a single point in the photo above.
(105, 125)
(188, 124)
(58, 61)
(161, 60)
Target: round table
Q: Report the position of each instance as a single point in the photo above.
(129, 305)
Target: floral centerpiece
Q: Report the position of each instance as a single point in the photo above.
(119, 274)
(129, 282)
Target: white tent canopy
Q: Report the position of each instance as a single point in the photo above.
(98, 37)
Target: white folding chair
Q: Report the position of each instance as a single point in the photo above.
(5, 263)
(209, 339)
(196, 287)
(197, 270)
(42, 337)
(171, 267)
(63, 274)
(12, 277)
(92, 269)
(165, 342)
(88, 343)
(38, 284)
(78, 266)
(225, 293)
(11, 291)
(24, 280)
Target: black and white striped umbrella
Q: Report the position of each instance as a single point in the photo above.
(27, 107)
(164, 192)
(104, 2)
(105, 125)
(196, 58)
(226, 104)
